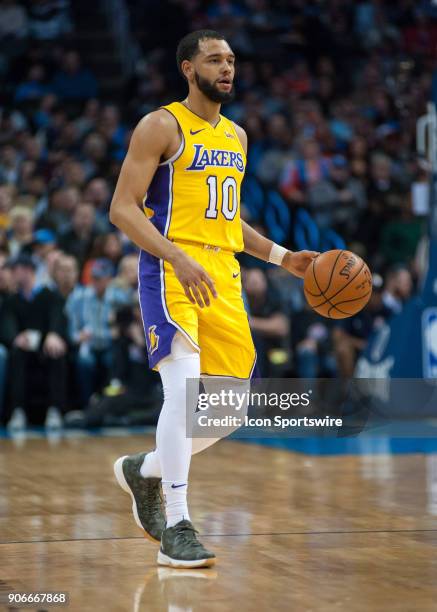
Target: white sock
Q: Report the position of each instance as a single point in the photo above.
(151, 468)
(173, 446)
(176, 508)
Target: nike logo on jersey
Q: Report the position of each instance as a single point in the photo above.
(235, 274)
(215, 157)
(193, 132)
(173, 486)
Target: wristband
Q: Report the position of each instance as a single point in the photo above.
(277, 254)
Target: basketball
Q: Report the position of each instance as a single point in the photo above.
(337, 284)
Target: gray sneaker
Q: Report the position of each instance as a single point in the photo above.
(146, 495)
(181, 548)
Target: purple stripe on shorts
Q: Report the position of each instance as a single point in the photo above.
(157, 328)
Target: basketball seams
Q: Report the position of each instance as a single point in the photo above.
(328, 300)
(355, 299)
(332, 271)
(318, 286)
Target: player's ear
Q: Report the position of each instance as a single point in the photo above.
(187, 69)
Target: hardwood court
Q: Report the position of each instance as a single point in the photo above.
(291, 532)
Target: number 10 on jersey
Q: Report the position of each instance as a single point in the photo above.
(229, 199)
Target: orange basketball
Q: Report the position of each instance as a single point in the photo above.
(337, 284)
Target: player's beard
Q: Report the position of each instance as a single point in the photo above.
(211, 92)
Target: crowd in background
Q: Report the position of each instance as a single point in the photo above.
(329, 93)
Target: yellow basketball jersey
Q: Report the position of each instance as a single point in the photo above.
(195, 195)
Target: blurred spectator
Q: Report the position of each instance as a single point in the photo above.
(130, 358)
(13, 26)
(98, 193)
(112, 129)
(127, 277)
(32, 326)
(49, 19)
(71, 81)
(9, 165)
(79, 239)
(34, 87)
(21, 229)
(306, 171)
(42, 249)
(398, 287)
(311, 343)
(61, 206)
(65, 275)
(268, 322)
(91, 314)
(338, 201)
(107, 246)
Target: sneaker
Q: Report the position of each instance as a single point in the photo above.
(53, 419)
(18, 420)
(181, 548)
(147, 506)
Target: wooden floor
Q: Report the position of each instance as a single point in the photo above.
(291, 532)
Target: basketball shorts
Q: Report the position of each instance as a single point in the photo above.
(220, 332)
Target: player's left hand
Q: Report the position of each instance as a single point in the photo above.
(296, 262)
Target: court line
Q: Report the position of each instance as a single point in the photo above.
(226, 535)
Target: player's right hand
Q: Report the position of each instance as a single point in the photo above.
(194, 279)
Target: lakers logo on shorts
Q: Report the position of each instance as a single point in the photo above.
(153, 339)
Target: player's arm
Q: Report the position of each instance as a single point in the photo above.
(150, 140)
(296, 262)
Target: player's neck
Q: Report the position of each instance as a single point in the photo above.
(204, 108)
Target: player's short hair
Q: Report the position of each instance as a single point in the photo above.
(188, 47)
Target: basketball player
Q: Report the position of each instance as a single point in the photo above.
(190, 161)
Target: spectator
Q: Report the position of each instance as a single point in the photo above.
(398, 287)
(13, 25)
(72, 82)
(98, 193)
(91, 313)
(267, 320)
(9, 165)
(311, 344)
(65, 275)
(61, 207)
(338, 201)
(32, 327)
(49, 19)
(130, 355)
(21, 230)
(127, 277)
(78, 240)
(107, 246)
(304, 172)
(42, 249)
(34, 87)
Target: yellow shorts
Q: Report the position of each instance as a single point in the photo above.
(220, 331)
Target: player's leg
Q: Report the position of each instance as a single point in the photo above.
(179, 544)
(140, 475)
